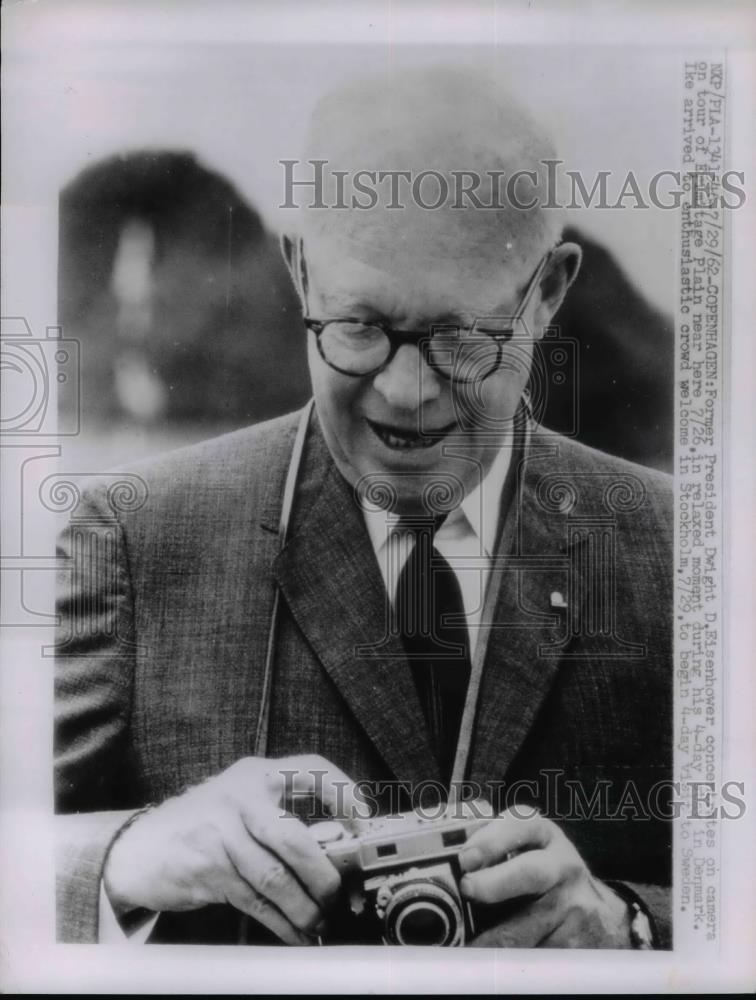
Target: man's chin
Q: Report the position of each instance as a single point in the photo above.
(411, 492)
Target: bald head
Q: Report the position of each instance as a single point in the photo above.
(438, 162)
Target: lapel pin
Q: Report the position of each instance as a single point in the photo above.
(557, 600)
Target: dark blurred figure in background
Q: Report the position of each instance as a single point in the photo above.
(627, 354)
(180, 297)
(188, 319)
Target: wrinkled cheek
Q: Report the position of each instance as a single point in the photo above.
(516, 362)
(491, 404)
(334, 394)
(338, 427)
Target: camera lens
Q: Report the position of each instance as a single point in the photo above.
(423, 913)
(422, 923)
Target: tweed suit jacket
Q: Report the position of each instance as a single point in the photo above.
(165, 610)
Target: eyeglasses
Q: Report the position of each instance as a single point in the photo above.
(458, 353)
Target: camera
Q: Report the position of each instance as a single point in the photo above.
(400, 876)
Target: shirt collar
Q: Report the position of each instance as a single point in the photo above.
(478, 512)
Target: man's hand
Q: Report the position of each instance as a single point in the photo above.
(228, 841)
(563, 906)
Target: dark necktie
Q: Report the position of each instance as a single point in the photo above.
(430, 621)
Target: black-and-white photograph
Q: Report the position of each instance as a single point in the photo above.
(380, 419)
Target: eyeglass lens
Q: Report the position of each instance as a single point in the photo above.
(360, 350)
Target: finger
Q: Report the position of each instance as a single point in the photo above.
(245, 899)
(269, 877)
(290, 841)
(525, 929)
(312, 774)
(504, 835)
(532, 873)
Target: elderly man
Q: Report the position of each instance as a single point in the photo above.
(459, 596)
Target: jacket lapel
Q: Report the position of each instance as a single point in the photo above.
(332, 584)
(519, 668)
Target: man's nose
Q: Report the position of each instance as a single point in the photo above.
(407, 382)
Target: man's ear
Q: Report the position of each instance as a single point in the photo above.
(293, 253)
(560, 272)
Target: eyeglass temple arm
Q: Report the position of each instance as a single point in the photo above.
(525, 302)
(534, 282)
(301, 276)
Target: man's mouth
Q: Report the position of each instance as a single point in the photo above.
(404, 438)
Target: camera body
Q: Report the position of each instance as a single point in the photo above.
(401, 877)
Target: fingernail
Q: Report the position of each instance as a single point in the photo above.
(321, 928)
(471, 860)
(466, 885)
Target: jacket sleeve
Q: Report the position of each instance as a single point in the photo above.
(82, 843)
(658, 901)
(95, 656)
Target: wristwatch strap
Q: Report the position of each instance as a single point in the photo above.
(644, 935)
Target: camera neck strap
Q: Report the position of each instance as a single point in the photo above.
(521, 440)
(290, 486)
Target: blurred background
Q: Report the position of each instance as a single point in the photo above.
(170, 275)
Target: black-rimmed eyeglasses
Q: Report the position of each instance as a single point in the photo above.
(459, 353)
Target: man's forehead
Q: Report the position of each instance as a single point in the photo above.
(443, 239)
(401, 282)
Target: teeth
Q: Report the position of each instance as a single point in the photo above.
(405, 442)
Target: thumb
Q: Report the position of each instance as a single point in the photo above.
(314, 775)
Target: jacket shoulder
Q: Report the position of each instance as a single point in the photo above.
(246, 461)
(240, 469)
(595, 481)
(230, 457)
